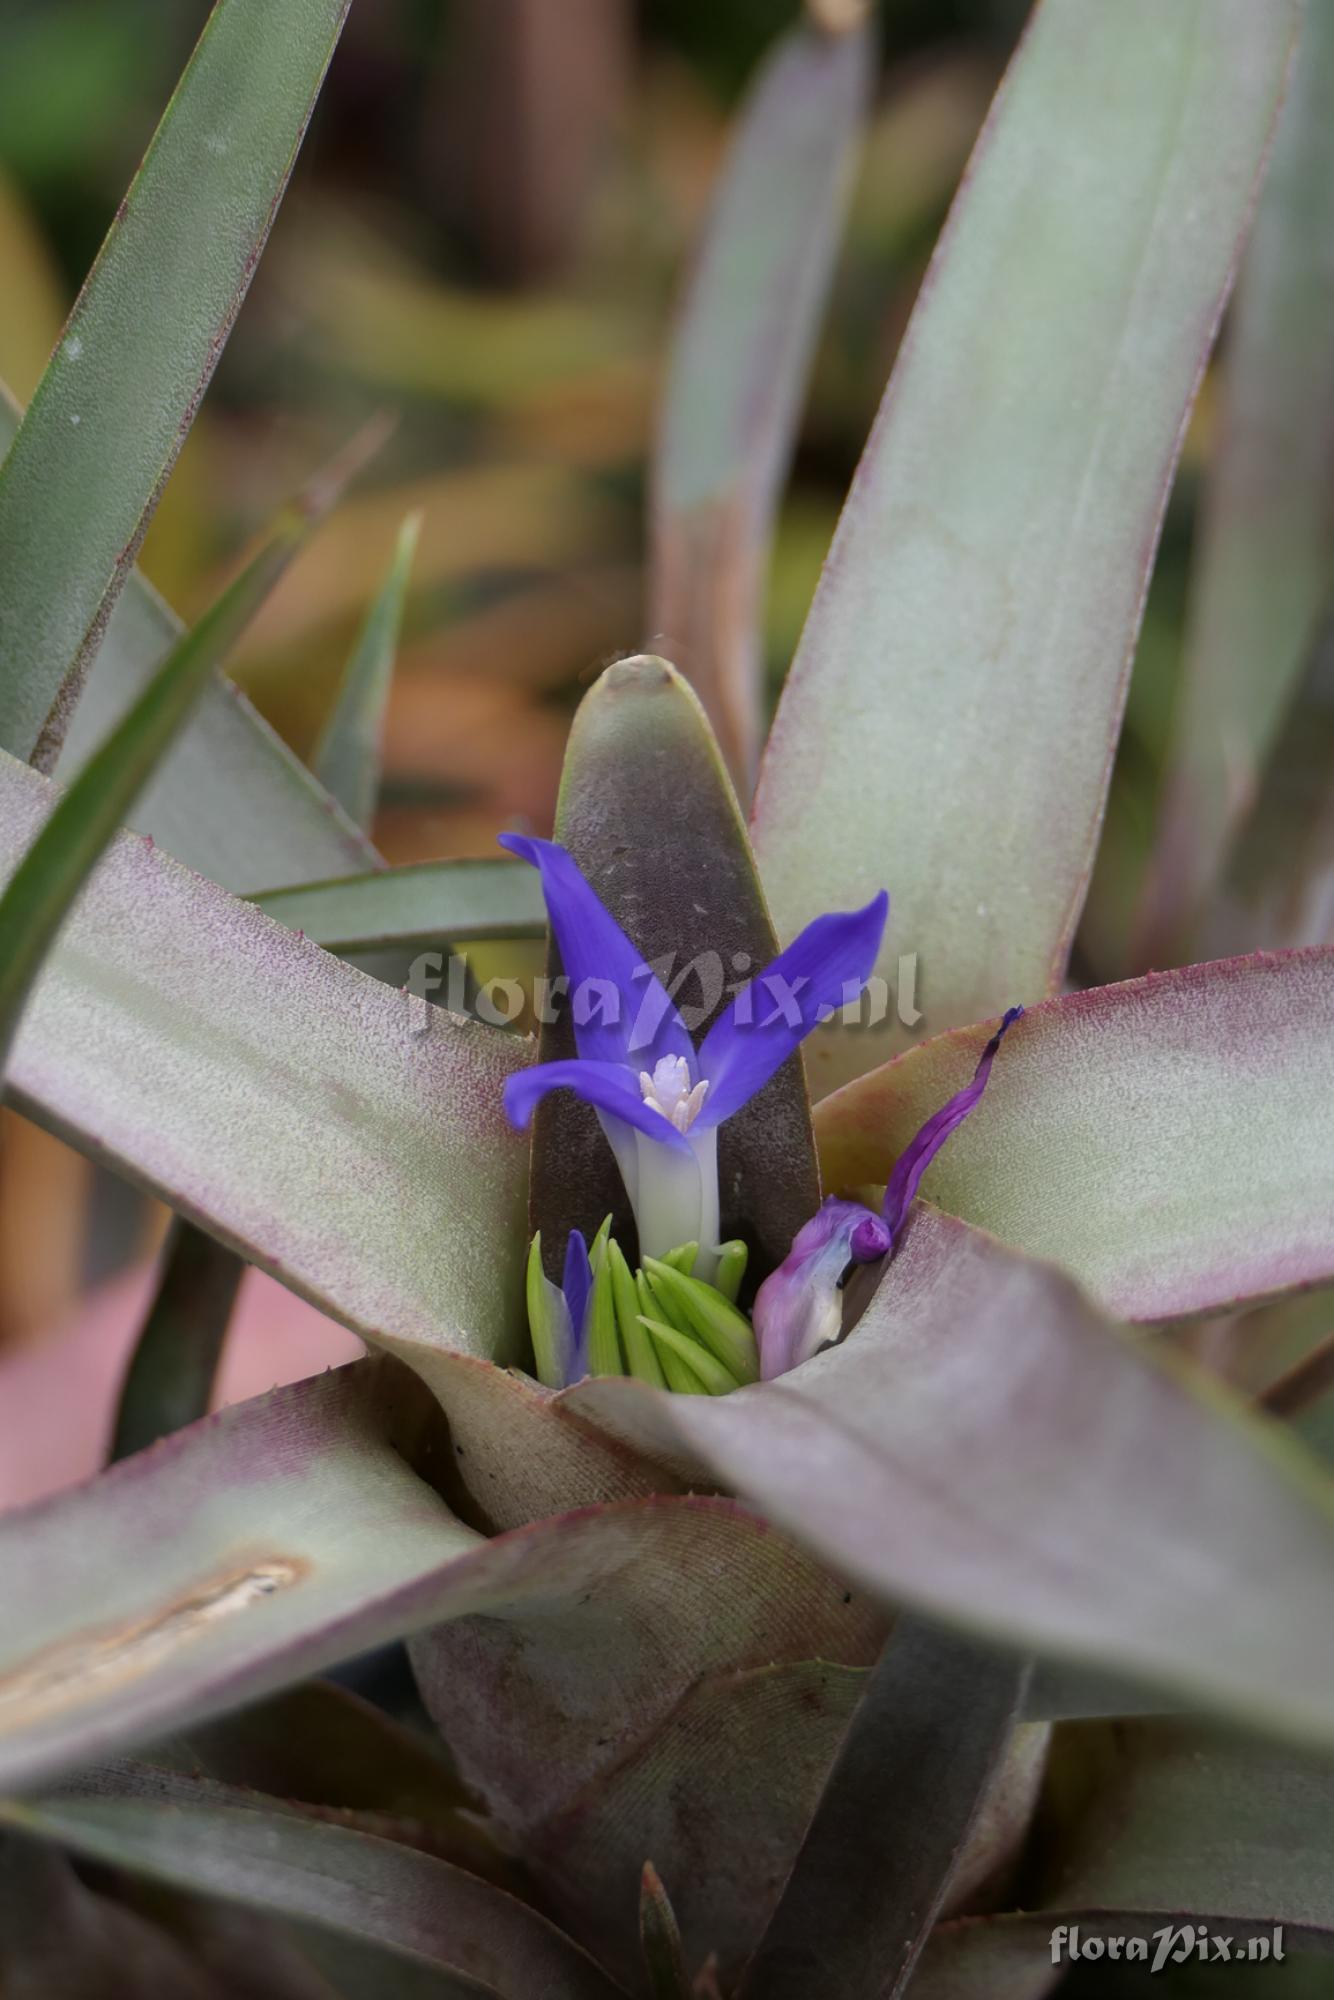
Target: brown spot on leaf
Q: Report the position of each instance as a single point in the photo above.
(74, 1668)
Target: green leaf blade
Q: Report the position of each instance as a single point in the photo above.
(948, 726)
(423, 903)
(740, 357)
(347, 757)
(1266, 544)
(104, 427)
(39, 894)
(352, 1883)
(171, 1373)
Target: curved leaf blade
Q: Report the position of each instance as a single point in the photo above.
(952, 711)
(421, 904)
(1165, 1818)
(170, 1377)
(1277, 889)
(40, 892)
(320, 1746)
(230, 799)
(739, 1749)
(1168, 1141)
(694, 1589)
(271, 1541)
(896, 1813)
(1048, 1485)
(256, 1537)
(102, 432)
(742, 1748)
(279, 1098)
(740, 356)
(348, 1881)
(60, 1936)
(1266, 547)
(347, 757)
(660, 1937)
(1157, 1825)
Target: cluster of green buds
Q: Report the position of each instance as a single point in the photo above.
(660, 1323)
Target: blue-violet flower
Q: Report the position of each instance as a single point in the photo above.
(659, 1100)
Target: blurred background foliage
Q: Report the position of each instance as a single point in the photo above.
(485, 235)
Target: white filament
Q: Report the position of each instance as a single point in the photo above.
(676, 1197)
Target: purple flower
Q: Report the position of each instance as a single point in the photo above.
(558, 1314)
(658, 1098)
(798, 1308)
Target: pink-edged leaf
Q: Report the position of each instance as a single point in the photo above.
(281, 1099)
(371, 1890)
(270, 1542)
(1267, 540)
(986, 1448)
(892, 1824)
(738, 369)
(517, 1454)
(956, 698)
(1170, 1141)
(291, 1532)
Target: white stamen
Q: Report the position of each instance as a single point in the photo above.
(670, 1091)
(675, 1196)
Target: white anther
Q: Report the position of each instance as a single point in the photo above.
(669, 1091)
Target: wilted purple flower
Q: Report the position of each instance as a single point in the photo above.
(799, 1306)
(659, 1099)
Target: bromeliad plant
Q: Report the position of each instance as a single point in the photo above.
(728, 1693)
(660, 1103)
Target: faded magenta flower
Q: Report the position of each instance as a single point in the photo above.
(798, 1307)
